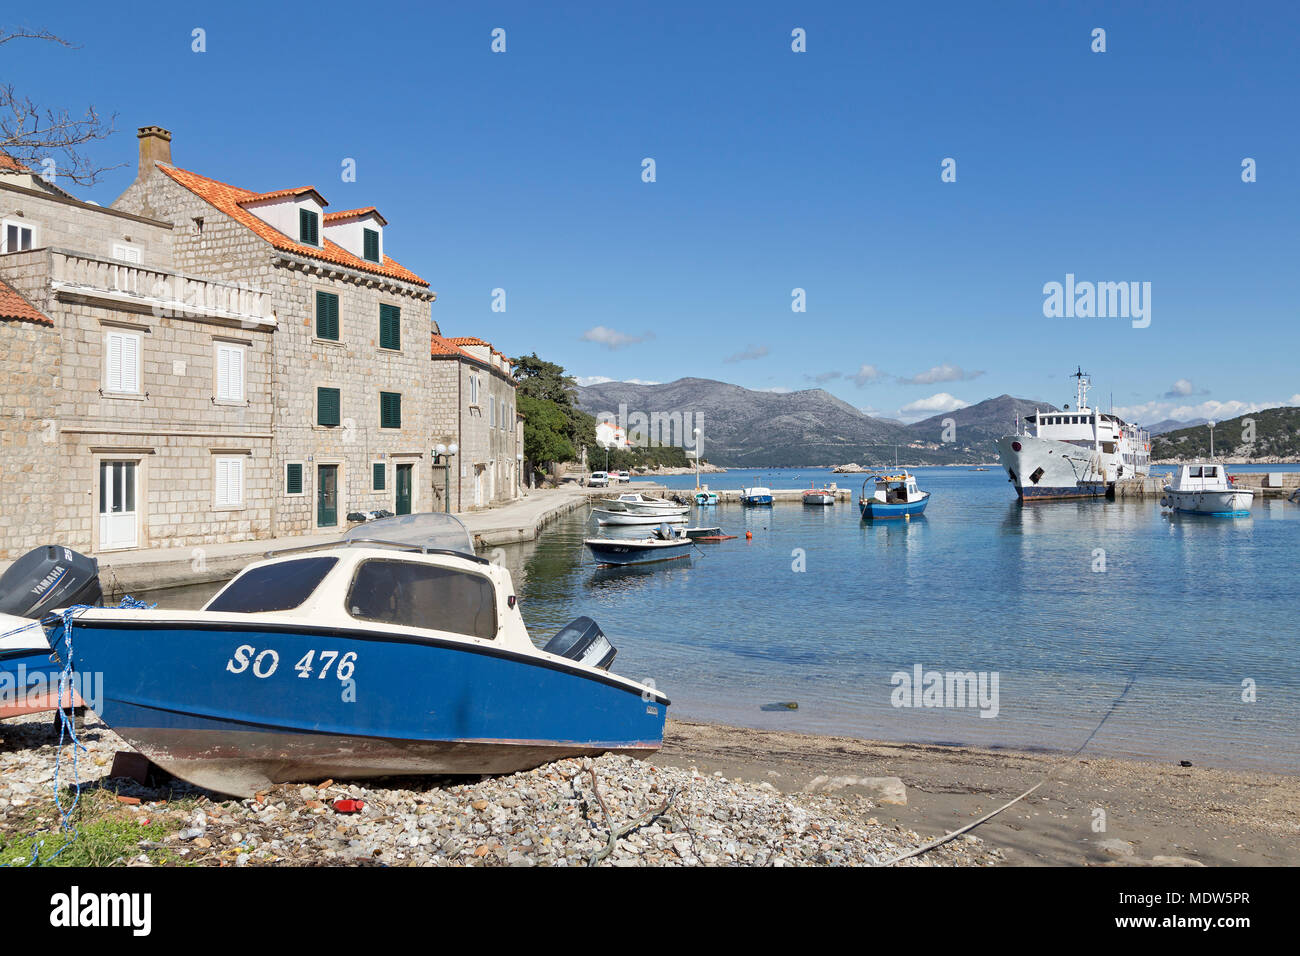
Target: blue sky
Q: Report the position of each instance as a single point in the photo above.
(775, 170)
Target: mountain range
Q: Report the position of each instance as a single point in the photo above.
(746, 428)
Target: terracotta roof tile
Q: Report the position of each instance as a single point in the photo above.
(10, 165)
(350, 213)
(14, 306)
(442, 346)
(281, 193)
(227, 198)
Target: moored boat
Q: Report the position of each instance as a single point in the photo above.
(1074, 453)
(894, 496)
(1205, 488)
(755, 496)
(663, 544)
(640, 504)
(633, 518)
(704, 497)
(396, 651)
(819, 496)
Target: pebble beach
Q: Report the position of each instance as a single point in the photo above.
(607, 811)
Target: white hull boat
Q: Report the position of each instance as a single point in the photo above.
(1206, 489)
(633, 518)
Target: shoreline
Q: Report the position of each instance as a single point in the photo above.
(1154, 813)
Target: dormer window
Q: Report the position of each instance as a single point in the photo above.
(309, 227)
(358, 231)
(370, 244)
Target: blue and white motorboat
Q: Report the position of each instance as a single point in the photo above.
(663, 544)
(705, 497)
(39, 582)
(894, 496)
(395, 651)
(755, 496)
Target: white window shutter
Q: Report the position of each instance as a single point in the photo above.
(237, 374)
(236, 482)
(223, 372)
(223, 480)
(130, 363)
(113, 368)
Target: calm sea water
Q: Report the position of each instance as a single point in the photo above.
(1159, 642)
(1084, 610)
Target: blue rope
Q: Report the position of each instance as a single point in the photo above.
(67, 726)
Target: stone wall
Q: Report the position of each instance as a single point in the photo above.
(30, 466)
(68, 224)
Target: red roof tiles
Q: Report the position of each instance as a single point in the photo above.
(10, 165)
(351, 213)
(228, 198)
(442, 346)
(14, 306)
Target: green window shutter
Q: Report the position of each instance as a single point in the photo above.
(327, 316)
(370, 239)
(293, 479)
(377, 471)
(390, 410)
(308, 227)
(390, 327)
(327, 406)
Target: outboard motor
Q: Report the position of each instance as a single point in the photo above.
(583, 641)
(49, 578)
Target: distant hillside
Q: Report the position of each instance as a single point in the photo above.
(978, 426)
(1276, 436)
(810, 427)
(1173, 424)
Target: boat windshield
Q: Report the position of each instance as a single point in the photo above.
(279, 586)
(436, 531)
(414, 594)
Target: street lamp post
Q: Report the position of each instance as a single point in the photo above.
(1211, 424)
(442, 455)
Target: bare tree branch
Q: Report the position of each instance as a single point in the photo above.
(37, 136)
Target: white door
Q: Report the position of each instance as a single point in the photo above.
(478, 486)
(118, 518)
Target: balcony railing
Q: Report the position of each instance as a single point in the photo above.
(162, 293)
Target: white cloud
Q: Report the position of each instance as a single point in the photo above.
(612, 339)
(1148, 413)
(924, 407)
(865, 375)
(1183, 388)
(748, 354)
(824, 377)
(941, 373)
(779, 389)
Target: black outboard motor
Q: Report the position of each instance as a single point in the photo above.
(583, 641)
(48, 578)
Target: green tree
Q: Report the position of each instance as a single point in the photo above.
(554, 427)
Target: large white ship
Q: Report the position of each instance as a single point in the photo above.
(1074, 453)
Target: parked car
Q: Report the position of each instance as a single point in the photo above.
(598, 479)
(622, 476)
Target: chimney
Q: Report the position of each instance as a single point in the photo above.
(155, 147)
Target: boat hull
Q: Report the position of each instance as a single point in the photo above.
(1045, 469)
(756, 500)
(819, 499)
(628, 518)
(878, 510)
(225, 706)
(612, 551)
(1217, 503)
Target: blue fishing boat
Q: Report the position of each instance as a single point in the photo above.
(36, 584)
(703, 497)
(894, 496)
(396, 651)
(755, 496)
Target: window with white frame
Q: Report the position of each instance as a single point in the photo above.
(230, 372)
(492, 411)
(122, 362)
(16, 236)
(229, 482)
(473, 389)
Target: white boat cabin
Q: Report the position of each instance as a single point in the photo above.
(897, 490)
(1200, 476)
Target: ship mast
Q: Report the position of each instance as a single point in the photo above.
(1081, 388)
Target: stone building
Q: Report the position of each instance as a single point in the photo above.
(476, 410)
(135, 406)
(349, 372)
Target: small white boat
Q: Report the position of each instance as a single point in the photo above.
(631, 517)
(818, 496)
(641, 504)
(755, 496)
(1206, 489)
(662, 544)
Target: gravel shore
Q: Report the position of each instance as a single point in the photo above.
(607, 811)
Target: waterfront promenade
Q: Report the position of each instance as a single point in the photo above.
(153, 568)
